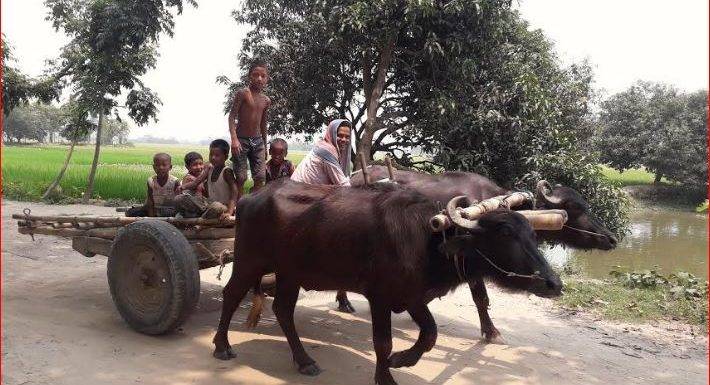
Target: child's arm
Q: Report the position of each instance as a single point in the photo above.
(199, 179)
(264, 118)
(149, 203)
(229, 178)
(291, 169)
(233, 124)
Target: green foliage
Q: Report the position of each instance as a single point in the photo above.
(19, 89)
(680, 284)
(640, 296)
(469, 84)
(655, 126)
(32, 122)
(703, 207)
(113, 43)
(116, 131)
(639, 279)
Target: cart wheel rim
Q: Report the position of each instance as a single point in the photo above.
(147, 284)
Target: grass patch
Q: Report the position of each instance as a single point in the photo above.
(631, 177)
(639, 184)
(122, 173)
(639, 296)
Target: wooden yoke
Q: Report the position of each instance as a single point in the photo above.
(365, 171)
(390, 169)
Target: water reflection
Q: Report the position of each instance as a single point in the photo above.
(673, 240)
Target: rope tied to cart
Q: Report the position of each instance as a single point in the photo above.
(28, 221)
(222, 257)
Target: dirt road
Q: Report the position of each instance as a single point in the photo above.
(60, 327)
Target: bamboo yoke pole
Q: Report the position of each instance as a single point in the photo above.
(390, 169)
(365, 171)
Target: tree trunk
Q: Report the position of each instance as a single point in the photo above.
(373, 100)
(95, 162)
(658, 177)
(59, 177)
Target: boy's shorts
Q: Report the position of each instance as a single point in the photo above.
(196, 206)
(253, 151)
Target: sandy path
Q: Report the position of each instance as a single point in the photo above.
(60, 327)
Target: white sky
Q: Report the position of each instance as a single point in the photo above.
(625, 40)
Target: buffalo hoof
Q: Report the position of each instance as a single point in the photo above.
(309, 369)
(224, 355)
(345, 306)
(405, 358)
(384, 378)
(492, 336)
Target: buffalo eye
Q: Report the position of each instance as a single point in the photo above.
(505, 230)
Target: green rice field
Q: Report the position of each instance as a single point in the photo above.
(122, 173)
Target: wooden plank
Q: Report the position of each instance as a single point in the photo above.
(91, 246)
(110, 232)
(122, 221)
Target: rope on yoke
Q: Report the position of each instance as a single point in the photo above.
(510, 273)
(583, 231)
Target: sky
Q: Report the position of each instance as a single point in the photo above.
(625, 40)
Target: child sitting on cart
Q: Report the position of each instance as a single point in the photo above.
(161, 190)
(220, 189)
(278, 166)
(194, 165)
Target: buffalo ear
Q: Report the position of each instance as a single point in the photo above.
(455, 245)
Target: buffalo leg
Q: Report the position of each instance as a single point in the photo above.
(382, 339)
(284, 306)
(426, 341)
(480, 298)
(239, 284)
(344, 304)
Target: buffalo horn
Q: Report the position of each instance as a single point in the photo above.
(454, 213)
(545, 219)
(544, 190)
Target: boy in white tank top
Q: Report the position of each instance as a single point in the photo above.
(220, 187)
(161, 190)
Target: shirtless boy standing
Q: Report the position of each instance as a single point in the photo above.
(247, 126)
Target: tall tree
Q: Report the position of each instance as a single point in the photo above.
(34, 121)
(465, 84)
(655, 126)
(113, 43)
(115, 130)
(18, 88)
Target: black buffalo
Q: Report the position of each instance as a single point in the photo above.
(581, 231)
(376, 242)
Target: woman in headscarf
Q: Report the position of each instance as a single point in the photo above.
(329, 163)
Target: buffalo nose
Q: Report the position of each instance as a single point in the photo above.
(554, 284)
(613, 241)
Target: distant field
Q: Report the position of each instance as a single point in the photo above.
(631, 177)
(122, 172)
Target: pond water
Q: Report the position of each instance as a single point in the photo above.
(672, 240)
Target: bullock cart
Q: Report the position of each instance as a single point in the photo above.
(153, 263)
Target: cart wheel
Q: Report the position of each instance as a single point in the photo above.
(153, 276)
